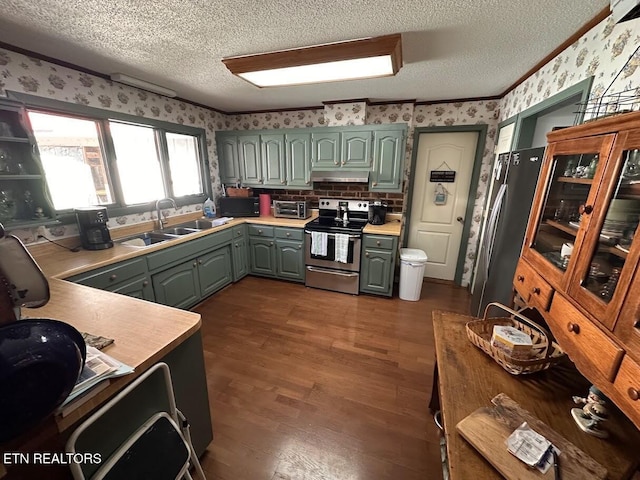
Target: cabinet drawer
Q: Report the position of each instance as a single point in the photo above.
(238, 231)
(531, 286)
(260, 231)
(593, 352)
(289, 233)
(627, 386)
(378, 241)
(112, 275)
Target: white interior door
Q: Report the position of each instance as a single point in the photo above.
(437, 229)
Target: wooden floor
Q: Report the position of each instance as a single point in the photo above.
(310, 384)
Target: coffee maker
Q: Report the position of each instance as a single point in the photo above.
(92, 224)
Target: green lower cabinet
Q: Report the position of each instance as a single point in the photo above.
(378, 264)
(239, 253)
(139, 287)
(263, 256)
(214, 270)
(290, 260)
(178, 286)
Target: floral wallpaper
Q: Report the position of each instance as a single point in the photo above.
(285, 119)
(606, 51)
(36, 77)
(341, 114)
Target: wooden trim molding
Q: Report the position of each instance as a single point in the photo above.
(367, 47)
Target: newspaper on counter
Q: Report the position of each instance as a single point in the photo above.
(98, 366)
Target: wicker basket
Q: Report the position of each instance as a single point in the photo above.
(545, 352)
(239, 192)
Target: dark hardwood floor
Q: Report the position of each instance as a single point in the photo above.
(310, 384)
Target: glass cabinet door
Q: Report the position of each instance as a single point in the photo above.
(606, 246)
(570, 178)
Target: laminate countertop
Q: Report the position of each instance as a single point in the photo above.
(468, 379)
(57, 262)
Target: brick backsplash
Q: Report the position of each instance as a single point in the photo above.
(334, 190)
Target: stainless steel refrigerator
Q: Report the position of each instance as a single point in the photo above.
(515, 176)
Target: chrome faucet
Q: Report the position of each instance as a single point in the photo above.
(162, 219)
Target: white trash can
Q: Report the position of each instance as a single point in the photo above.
(412, 264)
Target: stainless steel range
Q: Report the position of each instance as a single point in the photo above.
(333, 243)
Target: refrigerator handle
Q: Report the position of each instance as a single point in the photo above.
(492, 225)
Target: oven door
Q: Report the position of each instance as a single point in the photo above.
(328, 261)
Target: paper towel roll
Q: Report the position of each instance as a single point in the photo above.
(265, 205)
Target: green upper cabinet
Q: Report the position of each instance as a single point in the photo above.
(250, 158)
(228, 158)
(273, 160)
(341, 149)
(388, 161)
(298, 159)
(285, 158)
(326, 150)
(356, 150)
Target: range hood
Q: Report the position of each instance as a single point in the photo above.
(350, 176)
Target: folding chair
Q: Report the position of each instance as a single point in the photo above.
(139, 434)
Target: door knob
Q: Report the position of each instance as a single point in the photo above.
(585, 209)
(460, 219)
(573, 328)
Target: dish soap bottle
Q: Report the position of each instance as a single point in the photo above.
(209, 208)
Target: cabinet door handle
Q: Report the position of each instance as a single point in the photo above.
(633, 394)
(199, 262)
(260, 181)
(260, 232)
(271, 243)
(237, 245)
(378, 242)
(145, 283)
(585, 209)
(343, 162)
(573, 328)
(288, 234)
(195, 264)
(113, 277)
(535, 291)
(308, 182)
(374, 184)
(283, 182)
(366, 254)
(521, 278)
(336, 162)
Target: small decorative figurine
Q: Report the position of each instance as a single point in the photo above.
(592, 413)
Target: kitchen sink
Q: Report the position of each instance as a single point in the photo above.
(146, 239)
(177, 231)
(196, 224)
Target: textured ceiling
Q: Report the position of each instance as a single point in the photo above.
(452, 49)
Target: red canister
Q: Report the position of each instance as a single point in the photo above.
(265, 205)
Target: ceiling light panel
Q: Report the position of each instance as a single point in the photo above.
(356, 59)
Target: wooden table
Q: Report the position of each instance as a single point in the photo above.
(468, 379)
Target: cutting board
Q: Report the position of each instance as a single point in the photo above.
(487, 430)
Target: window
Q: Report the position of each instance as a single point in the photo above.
(138, 163)
(71, 154)
(122, 164)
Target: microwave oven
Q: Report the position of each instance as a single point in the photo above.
(239, 207)
(291, 209)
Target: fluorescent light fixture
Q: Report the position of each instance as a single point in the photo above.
(355, 59)
(136, 82)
